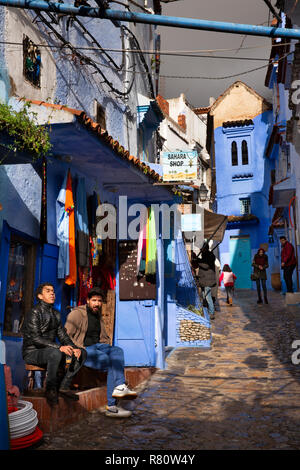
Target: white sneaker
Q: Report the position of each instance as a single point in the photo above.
(122, 391)
(117, 412)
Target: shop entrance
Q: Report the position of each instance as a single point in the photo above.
(25, 264)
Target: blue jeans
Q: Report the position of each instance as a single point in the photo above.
(102, 356)
(206, 294)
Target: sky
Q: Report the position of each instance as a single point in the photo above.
(198, 91)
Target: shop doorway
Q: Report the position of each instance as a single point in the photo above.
(25, 263)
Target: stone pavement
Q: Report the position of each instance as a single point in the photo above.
(242, 393)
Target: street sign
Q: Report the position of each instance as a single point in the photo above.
(180, 166)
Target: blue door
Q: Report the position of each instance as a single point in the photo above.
(240, 261)
(135, 331)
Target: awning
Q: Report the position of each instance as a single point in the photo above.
(283, 192)
(214, 225)
(209, 225)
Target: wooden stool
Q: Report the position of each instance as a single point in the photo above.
(31, 373)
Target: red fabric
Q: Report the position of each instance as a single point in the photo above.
(103, 278)
(288, 254)
(228, 277)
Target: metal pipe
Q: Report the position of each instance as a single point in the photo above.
(159, 20)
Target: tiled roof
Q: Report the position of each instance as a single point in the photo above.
(203, 110)
(245, 122)
(242, 218)
(107, 139)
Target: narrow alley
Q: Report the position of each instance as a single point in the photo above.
(242, 393)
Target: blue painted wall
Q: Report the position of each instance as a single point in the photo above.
(244, 181)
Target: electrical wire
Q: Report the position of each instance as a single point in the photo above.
(136, 43)
(87, 60)
(178, 52)
(211, 78)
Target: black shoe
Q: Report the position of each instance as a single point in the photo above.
(266, 300)
(68, 394)
(227, 301)
(212, 317)
(51, 396)
(259, 301)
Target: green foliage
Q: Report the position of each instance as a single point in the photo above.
(193, 309)
(22, 126)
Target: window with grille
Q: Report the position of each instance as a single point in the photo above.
(245, 206)
(234, 154)
(31, 62)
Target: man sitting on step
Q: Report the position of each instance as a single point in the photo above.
(42, 325)
(86, 328)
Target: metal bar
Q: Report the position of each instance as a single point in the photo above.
(159, 20)
(272, 9)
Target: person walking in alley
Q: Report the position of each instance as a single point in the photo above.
(228, 278)
(40, 329)
(288, 262)
(204, 263)
(260, 264)
(86, 328)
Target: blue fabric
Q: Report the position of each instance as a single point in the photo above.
(102, 356)
(206, 293)
(62, 221)
(82, 223)
(81, 207)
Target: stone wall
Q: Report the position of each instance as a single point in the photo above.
(192, 329)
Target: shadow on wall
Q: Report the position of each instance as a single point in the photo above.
(23, 216)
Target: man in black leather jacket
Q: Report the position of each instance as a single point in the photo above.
(40, 329)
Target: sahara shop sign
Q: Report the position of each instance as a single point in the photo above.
(180, 166)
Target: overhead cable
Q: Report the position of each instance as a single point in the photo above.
(210, 78)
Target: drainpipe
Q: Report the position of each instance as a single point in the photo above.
(159, 20)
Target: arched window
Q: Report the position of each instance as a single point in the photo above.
(234, 154)
(245, 159)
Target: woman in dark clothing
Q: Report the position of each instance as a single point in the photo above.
(260, 264)
(206, 276)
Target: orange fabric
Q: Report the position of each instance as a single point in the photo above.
(69, 207)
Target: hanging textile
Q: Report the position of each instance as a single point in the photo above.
(151, 249)
(69, 208)
(85, 283)
(82, 230)
(43, 222)
(62, 230)
(142, 240)
(95, 241)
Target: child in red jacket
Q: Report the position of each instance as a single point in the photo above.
(228, 278)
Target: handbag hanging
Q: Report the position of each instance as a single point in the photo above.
(254, 277)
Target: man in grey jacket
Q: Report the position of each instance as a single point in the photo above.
(86, 328)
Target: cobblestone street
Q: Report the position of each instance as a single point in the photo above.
(243, 393)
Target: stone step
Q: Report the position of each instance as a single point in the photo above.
(69, 412)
